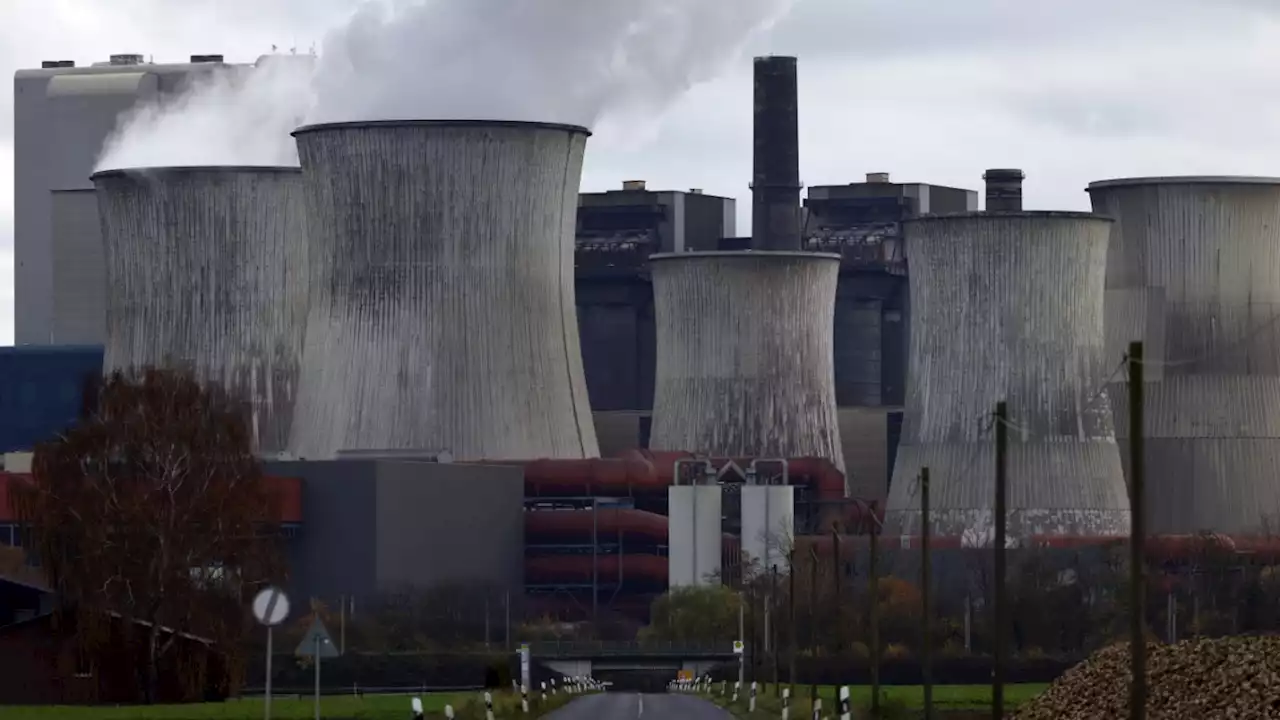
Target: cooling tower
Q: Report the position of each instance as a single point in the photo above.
(1194, 272)
(1008, 306)
(204, 271)
(744, 358)
(442, 314)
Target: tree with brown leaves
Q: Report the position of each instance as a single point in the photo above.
(154, 509)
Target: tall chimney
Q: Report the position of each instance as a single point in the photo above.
(1004, 189)
(775, 177)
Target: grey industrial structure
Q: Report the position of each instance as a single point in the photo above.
(62, 116)
(375, 526)
(744, 354)
(1194, 272)
(1009, 307)
(206, 268)
(442, 312)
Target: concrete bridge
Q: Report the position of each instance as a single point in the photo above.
(621, 662)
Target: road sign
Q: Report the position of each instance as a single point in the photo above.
(738, 647)
(317, 642)
(685, 675)
(271, 606)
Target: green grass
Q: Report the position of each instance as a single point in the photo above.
(945, 697)
(345, 707)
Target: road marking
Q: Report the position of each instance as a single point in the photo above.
(641, 699)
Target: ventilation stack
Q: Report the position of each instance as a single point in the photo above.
(202, 272)
(775, 178)
(443, 316)
(744, 361)
(1008, 306)
(1194, 273)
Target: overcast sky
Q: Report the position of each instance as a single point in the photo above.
(928, 90)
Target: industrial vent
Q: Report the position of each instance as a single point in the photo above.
(51, 64)
(197, 59)
(126, 59)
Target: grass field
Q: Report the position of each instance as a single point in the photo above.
(344, 706)
(945, 697)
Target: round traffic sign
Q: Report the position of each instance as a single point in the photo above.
(271, 606)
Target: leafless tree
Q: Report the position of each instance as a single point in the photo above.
(154, 508)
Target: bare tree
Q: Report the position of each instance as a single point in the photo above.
(154, 508)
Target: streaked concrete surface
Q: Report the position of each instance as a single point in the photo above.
(1194, 272)
(1008, 306)
(202, 271)
(745, 363)
(626, 706)
(442, 314)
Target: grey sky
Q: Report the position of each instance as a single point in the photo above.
(929, 90)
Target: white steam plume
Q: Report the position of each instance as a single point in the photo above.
(568, 61)
(229, 117)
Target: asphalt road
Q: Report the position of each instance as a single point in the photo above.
(629, 706)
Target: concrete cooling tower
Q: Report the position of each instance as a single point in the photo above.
(205, 269)
(1008, 306)
(744, 365)
(442, 313)
(1194, 272)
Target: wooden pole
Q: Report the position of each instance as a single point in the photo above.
(999, 607)
(873, 568)
(926, 596)
(1137, 538)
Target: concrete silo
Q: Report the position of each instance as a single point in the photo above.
(1194, 273)
(442, 314)
(744, 357)
(205, 269)
(1008, 306)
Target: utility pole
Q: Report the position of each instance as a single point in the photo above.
(837, 579)
(1137, 537)
(791, 619)
(813, 616)
(926, 596)
(873, 569)
(773, 595)
(742, 637)
(1001, 516)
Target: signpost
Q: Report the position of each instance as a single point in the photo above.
(524, 665)
(317, 644)
(270, 607)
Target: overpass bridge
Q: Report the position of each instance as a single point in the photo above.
(615, 660)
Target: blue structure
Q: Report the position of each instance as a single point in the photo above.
(42, 391)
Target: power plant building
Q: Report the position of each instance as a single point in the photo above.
(63, 115)
(1008, 307)
(442, 313)
(616, 232)
(862, 222)
(1194, 273)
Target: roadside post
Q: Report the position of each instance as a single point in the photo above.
(270, 607)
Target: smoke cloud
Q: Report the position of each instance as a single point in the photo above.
(569, 61)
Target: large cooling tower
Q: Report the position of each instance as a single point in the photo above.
(1008, 306)
(442, 313)
(744, 366)
(1194, 272)
(205, 269)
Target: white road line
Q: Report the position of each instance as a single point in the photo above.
(641, 708)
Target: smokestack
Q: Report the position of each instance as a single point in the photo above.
(775, 178)
(202, 273)
(442, 316)
(1004, 189)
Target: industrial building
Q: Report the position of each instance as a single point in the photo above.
(480, 376)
